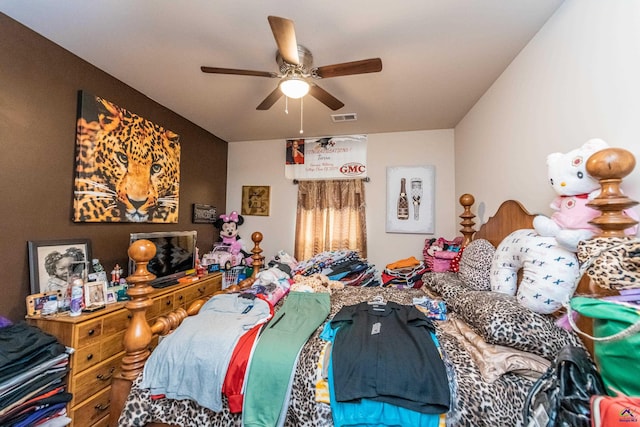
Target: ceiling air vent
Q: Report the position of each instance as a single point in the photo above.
(348, 117)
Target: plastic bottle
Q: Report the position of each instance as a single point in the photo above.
(76, 297)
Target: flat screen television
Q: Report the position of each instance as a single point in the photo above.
(175, 255)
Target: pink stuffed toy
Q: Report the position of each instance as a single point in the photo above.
(228, 226)
(568, 176)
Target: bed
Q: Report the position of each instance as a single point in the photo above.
(493, 347)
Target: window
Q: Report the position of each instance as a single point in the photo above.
(331, 216)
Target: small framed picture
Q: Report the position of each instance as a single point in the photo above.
(255, 200)
(411, 199)
(42, 304)
(112, 296)
(204, 214)
(95, 294)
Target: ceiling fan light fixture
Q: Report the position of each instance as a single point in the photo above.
(294, 87)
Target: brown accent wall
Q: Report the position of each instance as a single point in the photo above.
(39, 84)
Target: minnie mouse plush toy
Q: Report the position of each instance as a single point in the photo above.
(228, 226)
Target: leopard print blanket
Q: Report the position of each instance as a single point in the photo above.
(476, 402)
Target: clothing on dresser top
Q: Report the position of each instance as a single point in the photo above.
(370, 341)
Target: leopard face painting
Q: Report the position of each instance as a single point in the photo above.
(127, 168)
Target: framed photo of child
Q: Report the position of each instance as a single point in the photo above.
(53, 262)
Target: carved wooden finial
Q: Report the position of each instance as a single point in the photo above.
(609, 166)
(467, 223)
(258, 259)
(141, 252)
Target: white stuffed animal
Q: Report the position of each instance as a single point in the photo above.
(568, 176)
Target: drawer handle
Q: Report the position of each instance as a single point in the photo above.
(129, 316)
(168, 303)
(181, 297)
(89, 356)
(201, 290)
(106, 377)
(91, 332)
(100, 407)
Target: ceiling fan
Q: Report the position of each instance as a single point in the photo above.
(296, 70)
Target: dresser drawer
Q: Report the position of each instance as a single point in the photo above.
(87, 357)
(183, 297)
(88, 333)
(87, 383)
(154, 310)
(92, 412)
(112, 345)
(93, 354)
(203, 290)
(166, 304)
(115, 322)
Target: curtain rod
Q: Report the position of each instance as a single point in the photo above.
(365, 179)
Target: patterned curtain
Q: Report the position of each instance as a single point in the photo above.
(331, 216)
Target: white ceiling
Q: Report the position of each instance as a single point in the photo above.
(438, 56)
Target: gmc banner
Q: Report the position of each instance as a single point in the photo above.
(336, 157)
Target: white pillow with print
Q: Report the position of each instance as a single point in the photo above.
(550, 273)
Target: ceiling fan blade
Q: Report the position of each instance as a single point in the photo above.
(216, 70)
(325, 97)
(270, 99)
(285, 35)
(364, 66)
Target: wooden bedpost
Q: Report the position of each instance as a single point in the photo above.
(257, 258)
(609, 166)
(138, 335)
(467, 223)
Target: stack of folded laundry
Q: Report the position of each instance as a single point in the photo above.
(33, 365)
(404, 273)
(345, 266)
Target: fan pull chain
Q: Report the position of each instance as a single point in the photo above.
(301, 111)
(286, 105)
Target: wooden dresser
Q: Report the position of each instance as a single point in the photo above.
(98, 342)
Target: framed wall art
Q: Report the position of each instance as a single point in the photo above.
(411, 199)
(127, 168)
(53, 262)
(203, 214)
(256, 200)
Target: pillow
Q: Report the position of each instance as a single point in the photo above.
(550, 273)
(500, 319)
(448, 285)
(475, 265)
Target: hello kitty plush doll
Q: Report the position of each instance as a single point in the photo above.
(228, 226)
(568, 176)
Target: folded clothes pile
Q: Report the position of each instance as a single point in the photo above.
(345, 266)
(33, 365)
(404, 273)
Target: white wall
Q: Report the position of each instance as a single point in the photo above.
(262, 163)
(579, 78)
